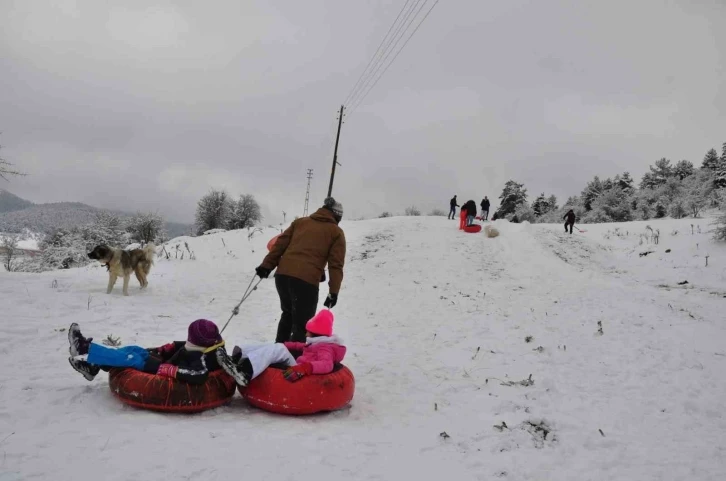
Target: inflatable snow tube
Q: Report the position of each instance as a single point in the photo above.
(472, 228)
(271, 242)
(311, 394)
(159, 393)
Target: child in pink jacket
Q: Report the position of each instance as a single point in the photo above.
(320, 352)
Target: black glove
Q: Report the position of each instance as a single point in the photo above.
(331, 300)
(263, 272)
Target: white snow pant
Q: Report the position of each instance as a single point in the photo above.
(261, 356)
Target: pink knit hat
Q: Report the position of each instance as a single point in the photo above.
(204, 333)
(321, 324)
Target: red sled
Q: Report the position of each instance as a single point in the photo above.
(472, 229)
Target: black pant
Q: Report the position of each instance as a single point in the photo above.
(452, 212)
(485, 214)
(568, 223)
(298, 301)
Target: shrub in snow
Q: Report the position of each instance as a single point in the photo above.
(437, 213)
(525, 213)
(384, 215)
(412, 211)
(8, 249)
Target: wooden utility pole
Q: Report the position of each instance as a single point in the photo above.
(335, 154)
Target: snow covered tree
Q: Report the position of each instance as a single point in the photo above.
(719, 178)
(711, 160)
(212, 211)
(648, 181)
(662, 171)
(106, 228)
(513, 195)
(678, 209)
(612, 206)
(63, 249)
(145, 227)
(552, 201)
(625, 182)
(720, 230)
(244, 213)
(525, 213)
(683, 169)
(540, 206)
(9, 247)
(592, 191)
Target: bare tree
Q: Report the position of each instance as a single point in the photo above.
(6, 169)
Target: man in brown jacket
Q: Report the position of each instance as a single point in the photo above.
(300, 255)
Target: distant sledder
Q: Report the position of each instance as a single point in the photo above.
(569, 220)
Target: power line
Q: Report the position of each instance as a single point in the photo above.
(358, 102)
(390, 47)
(375, 54)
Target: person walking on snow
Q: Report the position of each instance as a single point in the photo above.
(470, 207)
(485, 208)
(300, 255)
(452, 210)
(570, 216)
(189, 361)
(320, 351)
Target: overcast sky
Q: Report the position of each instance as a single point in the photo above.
(149, 104)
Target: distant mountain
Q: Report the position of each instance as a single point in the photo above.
(11, 202)
(17, 214)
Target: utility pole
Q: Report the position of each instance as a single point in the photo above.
(307, 193)
(335, 154)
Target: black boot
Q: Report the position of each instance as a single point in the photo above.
(89, 371)
(233, 369)
(79, 345)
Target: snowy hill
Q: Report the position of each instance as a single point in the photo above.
(531, 356)
(10, 202)
(17, 215)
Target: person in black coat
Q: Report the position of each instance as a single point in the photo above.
(188, 361)
(485, 208)
(453, 205)
(570, 220)
(470, 207)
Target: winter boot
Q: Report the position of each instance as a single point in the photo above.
(79, 345)
(233, 369)
(237, 354)
(89, 371)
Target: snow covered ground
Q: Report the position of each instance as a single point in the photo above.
(437, 323)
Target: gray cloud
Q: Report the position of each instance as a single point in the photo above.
(150, 104)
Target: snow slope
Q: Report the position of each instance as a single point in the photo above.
(436, 322)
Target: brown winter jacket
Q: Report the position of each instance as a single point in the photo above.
(306, 246)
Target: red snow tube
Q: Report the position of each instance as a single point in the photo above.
(472, 228)
(272, 241)
(311, 394)
(160, 393)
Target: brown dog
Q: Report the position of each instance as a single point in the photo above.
(123, 263)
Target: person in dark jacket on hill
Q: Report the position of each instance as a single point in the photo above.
(452, 208)
(300, 255)
(188, 361)
(570, 220)
(470, 208)
(485, 208)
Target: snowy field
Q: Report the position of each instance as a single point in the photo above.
(627, 365)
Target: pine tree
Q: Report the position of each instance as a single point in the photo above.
(661, 171)
(711, 160)
(244, 213)
(513, 195)
(552, 201)
(593, 190)
(540, 206)
(683, 169)
(212, 211)
(723, 155)
(625, 182)
(648, 181)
